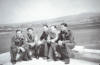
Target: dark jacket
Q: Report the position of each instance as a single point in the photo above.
(18, 41)
(30, 38)
(44, 35)
(66, 35)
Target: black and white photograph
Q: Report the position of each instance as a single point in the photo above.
(49, 32)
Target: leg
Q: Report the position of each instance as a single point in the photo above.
(46, 50)
(53, 52)
(13, 53)
(67, 52)
(33, 51)
(27, 55)
(38, 51)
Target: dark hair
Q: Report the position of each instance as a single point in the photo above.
(54, 26)
(29, 29)
(64, 24)
(18, 30)
(45, 25)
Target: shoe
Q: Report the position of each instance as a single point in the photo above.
(13, 62)
(25, 59)
(44, 58)
(47, 57)
(67, 61)
(30, 58)
(37, 57)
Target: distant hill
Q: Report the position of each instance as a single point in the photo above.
(90, 20)
(85, 19)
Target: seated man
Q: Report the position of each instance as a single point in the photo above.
(65, 43)
(17, 47)
(31, 41)
(43, 39)
(52, 40)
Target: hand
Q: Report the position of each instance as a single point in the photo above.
(32, 44)
(48, 40)
(52, 41)
(57, 54)
(60, 42)
(22, 49)
(39, 42)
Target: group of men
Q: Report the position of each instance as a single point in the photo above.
(52, 44)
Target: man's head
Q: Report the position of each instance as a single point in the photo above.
(30, 30)
(45, 27)
(18, 32)
(64, 26)
(53, 28)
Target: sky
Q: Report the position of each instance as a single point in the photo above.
(22, 11)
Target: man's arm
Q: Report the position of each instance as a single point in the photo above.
(71, 43)
(57, 36)
(71, 37)
(13, 42)
(42, 36)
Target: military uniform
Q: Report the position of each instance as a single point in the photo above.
(17, 47)
(67, 44)
(31, 44)
(52, 51)
(46, 46)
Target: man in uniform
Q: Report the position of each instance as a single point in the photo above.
(52, 39)
(31, 41)
(17, 47)
(43, 39)
(65, 42)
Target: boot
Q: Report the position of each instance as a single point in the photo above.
(67, 61)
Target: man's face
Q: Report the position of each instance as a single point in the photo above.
(19, 33)
(63, 27)
(45, 28)
(30, 31)
(52, 28)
